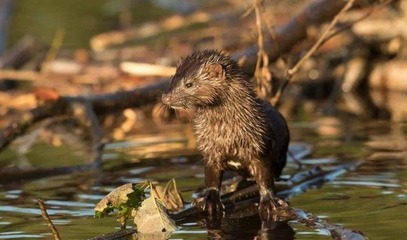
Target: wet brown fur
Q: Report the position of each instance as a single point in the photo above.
(235, 129)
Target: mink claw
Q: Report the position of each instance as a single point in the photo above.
(281, 203)
(273, 209)
(212, 204)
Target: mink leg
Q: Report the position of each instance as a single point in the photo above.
(269, 202)
(213, 177)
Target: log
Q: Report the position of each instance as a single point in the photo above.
(120, 100)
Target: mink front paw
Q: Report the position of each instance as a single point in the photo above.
(212, 204)
(272, 209)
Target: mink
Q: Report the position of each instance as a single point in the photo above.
(235, 130)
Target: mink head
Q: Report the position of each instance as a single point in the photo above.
(202, 80)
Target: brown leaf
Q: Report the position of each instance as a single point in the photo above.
(152, 217)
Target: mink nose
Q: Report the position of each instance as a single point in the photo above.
(166, 99)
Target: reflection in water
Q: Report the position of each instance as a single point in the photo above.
(388, 149)
(247, 225)
(391, 101)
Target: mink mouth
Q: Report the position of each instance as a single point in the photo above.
(171, 101)
(176, 107)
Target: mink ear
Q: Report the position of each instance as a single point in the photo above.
(215, 70)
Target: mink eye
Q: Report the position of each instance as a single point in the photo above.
(188, 85)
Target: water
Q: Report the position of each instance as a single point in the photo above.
(371, 199)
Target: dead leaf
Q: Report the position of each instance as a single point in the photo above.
(152, 217)
(169, 196)
(172, 200)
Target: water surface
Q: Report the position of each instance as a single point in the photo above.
(371, 199)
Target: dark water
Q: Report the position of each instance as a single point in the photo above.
(371, 199)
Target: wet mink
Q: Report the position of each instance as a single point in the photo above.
(235, 129)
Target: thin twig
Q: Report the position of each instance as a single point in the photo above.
(262, 72)
(325, 35)
(350, 24)
(273, 34)
(48, 219)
